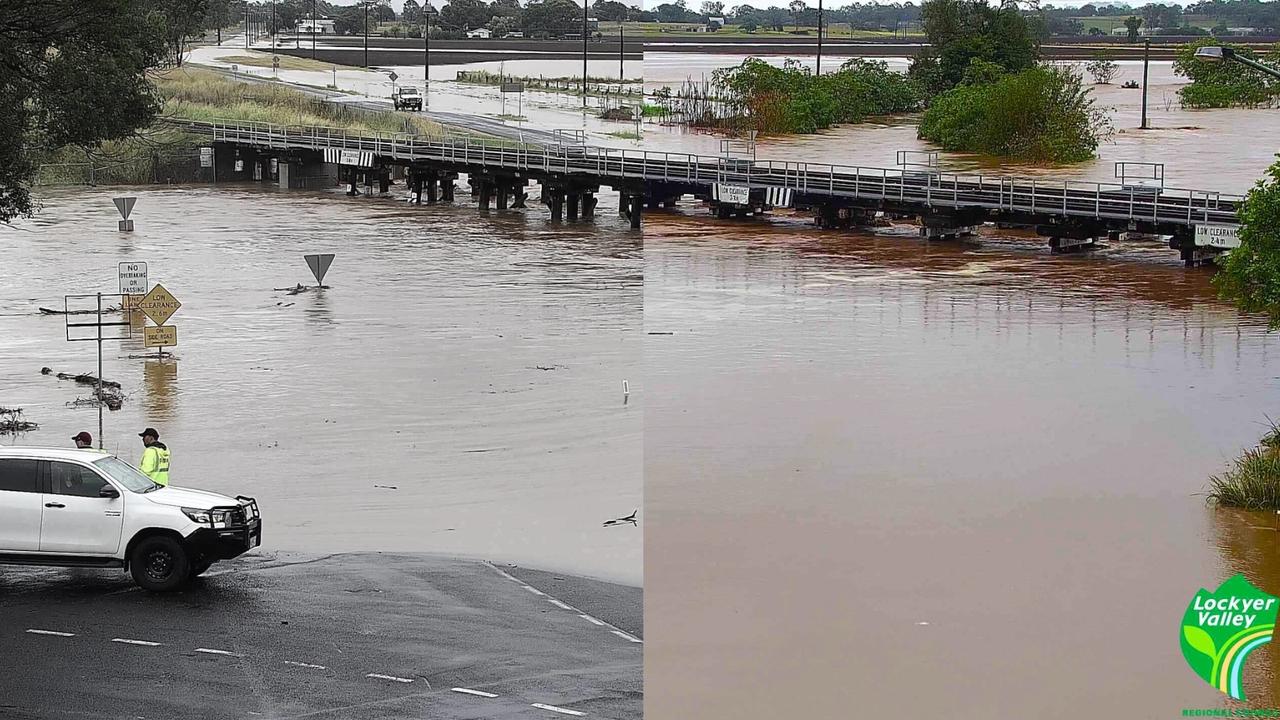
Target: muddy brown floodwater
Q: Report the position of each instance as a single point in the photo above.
(889, 479)
(474, 365)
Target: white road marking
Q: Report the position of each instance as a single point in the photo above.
(211, 651)
(535, 591)
(389, 677)
(590, 619)
(559, 604)
(34, 631)
(626, 636)
(305, 665)
(126, 641)
(553, 708)
(468, 691)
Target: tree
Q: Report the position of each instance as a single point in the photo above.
(1095, 31)
(1250, 275)
(553, 17)
(610, 10)
(713, 8)
(1132, 23)
(466, 14)
(350, 20)
(221, 13)
(72, 72)
(412, 12)
(796, 7)
(748, 26)
(1102, 68)
(960, 31)
(176, 21)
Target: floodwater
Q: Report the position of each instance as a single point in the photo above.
(533, 109)
(891, 479)
(1214, 150)
(458, 390)
(888, 478)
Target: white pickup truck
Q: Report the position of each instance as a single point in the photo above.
(406, 98)
(84, 508)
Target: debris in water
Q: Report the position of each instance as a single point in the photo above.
(111, 395)
(300, 288)
(11, 421)
(387, 487)
(623, 520)
(660, 333)
(51, 311)
(46, 371)
(85, 379)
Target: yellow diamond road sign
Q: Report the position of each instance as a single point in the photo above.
(159, 305)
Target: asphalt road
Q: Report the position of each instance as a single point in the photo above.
(350, 637)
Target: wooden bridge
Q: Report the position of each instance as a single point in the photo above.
(1072, 214)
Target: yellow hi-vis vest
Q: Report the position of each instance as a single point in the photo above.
(155, 463)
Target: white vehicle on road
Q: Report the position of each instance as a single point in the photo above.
(84, 508)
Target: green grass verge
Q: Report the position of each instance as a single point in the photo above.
(1253, 480)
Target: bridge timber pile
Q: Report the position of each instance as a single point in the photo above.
(1072, 214)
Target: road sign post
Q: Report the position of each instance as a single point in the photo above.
(125, 206)
(319, 265)
(122, 331)
(159, 305)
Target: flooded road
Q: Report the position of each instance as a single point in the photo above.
(473, 365)
(891, 479)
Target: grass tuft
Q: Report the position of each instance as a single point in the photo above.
(1253, 481)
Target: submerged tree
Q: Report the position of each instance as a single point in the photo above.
(1103, 69)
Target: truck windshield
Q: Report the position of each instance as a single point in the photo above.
(126, 474)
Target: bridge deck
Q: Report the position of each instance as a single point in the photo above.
(1023, 198)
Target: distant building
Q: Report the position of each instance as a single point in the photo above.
(481, 33)
(323, 26)
(718, 22)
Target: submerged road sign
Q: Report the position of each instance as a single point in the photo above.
(159, 305)
(125, 206)
(133, 278)
(319, 265)
(161, 336)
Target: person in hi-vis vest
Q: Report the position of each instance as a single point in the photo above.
(155, 458)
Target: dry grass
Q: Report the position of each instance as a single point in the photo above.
(202, 95)
(287, 62)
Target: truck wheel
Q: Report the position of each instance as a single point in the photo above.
(159, 564)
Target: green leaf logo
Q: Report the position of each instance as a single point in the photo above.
(1221, 628)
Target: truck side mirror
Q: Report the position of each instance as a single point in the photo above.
(108, 491)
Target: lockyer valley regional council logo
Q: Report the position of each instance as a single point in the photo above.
(1221, 628)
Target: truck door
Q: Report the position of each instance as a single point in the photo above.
(20, 504)
(76, 518)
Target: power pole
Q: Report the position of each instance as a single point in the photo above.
(273, 27)
(426, 53)
(314, 20)
(366, 33)
(586, 4)
(1146, 60)
(818, 66)
(622, 44)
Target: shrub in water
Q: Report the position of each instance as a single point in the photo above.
(1044, 114)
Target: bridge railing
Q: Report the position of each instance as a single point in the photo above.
(1077, 198)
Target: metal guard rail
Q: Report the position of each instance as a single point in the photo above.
(1073, 198)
